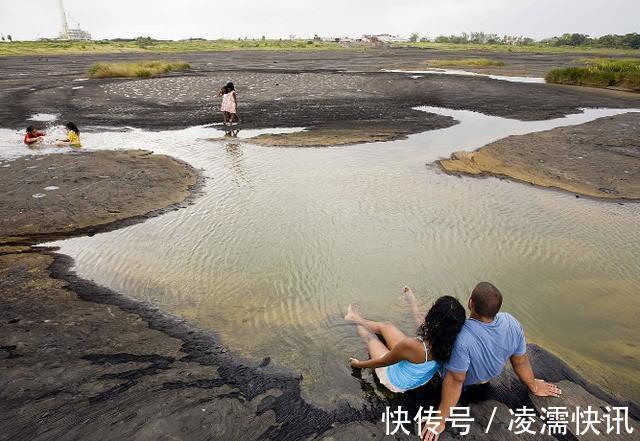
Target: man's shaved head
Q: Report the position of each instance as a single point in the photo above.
(487, 300)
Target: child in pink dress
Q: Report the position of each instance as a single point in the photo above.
(221, 93)
(229, 104)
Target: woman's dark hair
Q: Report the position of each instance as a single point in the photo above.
(73, 127)
(229, 87)
(441, 326)
(30, 129)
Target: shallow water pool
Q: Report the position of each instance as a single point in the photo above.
(283, 239)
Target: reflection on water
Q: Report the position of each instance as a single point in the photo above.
(236, 164)
(283, 239)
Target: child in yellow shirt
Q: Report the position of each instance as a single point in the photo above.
(73, 136)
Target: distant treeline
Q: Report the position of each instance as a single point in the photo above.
(627, 41)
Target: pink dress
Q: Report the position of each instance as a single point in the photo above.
(228, 102)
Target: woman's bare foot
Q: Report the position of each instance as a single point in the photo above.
(408, 294)
(353, 313)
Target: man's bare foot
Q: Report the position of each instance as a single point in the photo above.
(353, 313)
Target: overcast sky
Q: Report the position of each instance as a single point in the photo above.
(175, 19)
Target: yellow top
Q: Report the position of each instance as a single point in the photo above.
(74, 138)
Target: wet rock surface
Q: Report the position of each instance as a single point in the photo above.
(600, 158)
(58, 194)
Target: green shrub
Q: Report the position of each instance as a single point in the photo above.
(143, 73)
(143, 69)
(622, 73)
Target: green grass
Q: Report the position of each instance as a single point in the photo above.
(53, 47)
(466, 62)
(116, 46)
(619, 73)
(142, 69)
(532, 48)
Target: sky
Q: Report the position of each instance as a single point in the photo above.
(177, 19)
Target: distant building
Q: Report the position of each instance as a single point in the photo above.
(70, 34)
(385, 38)
(75, 34)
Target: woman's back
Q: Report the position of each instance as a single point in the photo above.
(406, 375)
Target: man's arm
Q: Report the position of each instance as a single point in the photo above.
(537, 387)
(451, 391)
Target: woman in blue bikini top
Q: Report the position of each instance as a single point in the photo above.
(403, 363)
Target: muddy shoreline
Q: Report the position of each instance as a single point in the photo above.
(318, 90)
(598, 159)
(47, 197)
(340, 97)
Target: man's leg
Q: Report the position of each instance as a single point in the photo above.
(391, 334)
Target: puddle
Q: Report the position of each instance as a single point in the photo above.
(283, 239)
(435, 71)
(249, 133)
(44, 117)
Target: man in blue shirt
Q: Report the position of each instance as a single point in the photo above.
(487, 340)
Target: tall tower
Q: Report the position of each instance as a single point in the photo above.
(65, 27)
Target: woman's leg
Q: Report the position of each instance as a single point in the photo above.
(391, 334)
(374, 345)
(410, 298)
